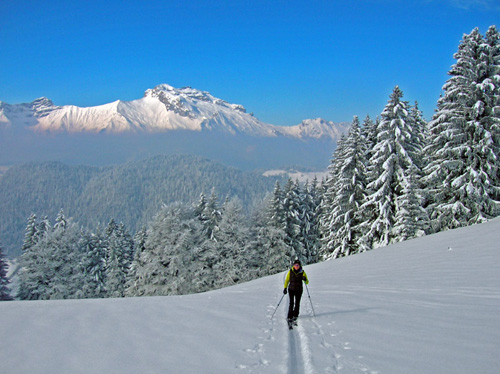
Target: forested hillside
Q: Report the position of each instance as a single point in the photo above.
(131, 193)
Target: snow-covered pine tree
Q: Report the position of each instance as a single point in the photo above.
(266, 248)
(212, 214)
(328, 228)
(111, 228)
(43, 228)
(464, 138)
(51, 266)
(411, 218)
(369, 135)
(310, 209)
(231, 238)
(61, 221)
(291, 210)
(30, 233)
(419, 136)
(349, 195)
(276, 211)
(139, 247)
(62, 266)
(170, 261)
(491, 113)
(4, 280)
(387, 172)
(120, 249)
(29, 276)
(94, 265)
(200, 207)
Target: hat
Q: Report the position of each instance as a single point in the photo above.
(297, 262)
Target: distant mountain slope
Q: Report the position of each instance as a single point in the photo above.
(41, 188)
(131, 193)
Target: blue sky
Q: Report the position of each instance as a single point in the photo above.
(285, 61)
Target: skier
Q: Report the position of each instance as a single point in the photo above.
(296, 275)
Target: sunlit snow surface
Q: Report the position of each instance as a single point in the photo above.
(429, 305)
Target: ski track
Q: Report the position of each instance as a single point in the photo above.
(306, 349)
(328, 348)
(298, 351)
(318, 336)
(342, 363)
(294, 357)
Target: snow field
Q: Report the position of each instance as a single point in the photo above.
(429, 305)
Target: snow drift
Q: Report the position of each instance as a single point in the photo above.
(429, 305)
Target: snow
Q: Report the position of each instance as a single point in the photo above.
(429, 305)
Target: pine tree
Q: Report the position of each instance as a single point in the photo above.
(387, 171)
(174, 260)
(418, 137)
(464, 138)
(119, 258)
(291, 210)
(231, 238)
(309, 217)
(328, 222)
(30, 233)
(269, 254)
(369, 135)
(51, 264)
(411, 218)
(4, 281)
(276, 210)
(200, 207)
(212, 215)
(29, 277)
(491, 115)
(348, 195)
(139, 247)
(61, 221)
(62, 255)
(94, 265)
(43, 228)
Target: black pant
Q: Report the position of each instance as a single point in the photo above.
(294, 306)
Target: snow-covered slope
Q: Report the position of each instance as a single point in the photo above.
(161, 109)
(429, 305)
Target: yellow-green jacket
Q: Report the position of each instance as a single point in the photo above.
(294, 279)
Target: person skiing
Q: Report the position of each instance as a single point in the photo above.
(293, 282)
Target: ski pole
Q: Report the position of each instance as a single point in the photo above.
(307, 288)
(277, 306)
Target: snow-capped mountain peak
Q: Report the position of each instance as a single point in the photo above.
(162, 108)
(43, 106)
(187, 95)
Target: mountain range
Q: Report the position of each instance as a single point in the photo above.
(164, 120)
(163, 108)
